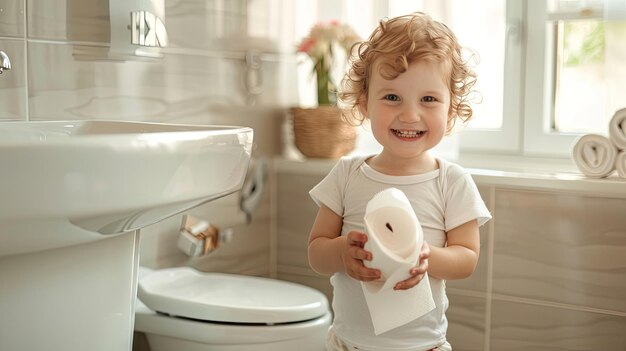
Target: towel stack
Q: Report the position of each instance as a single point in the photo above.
(617, 133)
(598, 156)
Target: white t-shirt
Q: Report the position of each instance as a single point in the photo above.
(442, 200)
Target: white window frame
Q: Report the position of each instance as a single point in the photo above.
(528, 79)
(539, 138)
(506, 139)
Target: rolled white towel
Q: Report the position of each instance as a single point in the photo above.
(617, 129)
(594, 155)
(620, 164)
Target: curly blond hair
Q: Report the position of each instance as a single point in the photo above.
(395, 44)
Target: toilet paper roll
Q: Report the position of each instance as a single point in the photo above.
(395, 238)
(394, 233)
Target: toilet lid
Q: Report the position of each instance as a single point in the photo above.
(219, 297)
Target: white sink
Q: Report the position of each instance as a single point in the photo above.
(89, 179)
(73, 197)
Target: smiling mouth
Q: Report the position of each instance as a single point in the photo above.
(408, 134)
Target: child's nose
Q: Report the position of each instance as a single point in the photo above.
(410, 114)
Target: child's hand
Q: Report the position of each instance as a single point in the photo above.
(417, 273)
(353, 254)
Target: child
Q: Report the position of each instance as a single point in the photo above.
(410, 81)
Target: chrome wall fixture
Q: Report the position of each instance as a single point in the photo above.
(147, 30)
(135, 29)
(5, 63)
(253, 76)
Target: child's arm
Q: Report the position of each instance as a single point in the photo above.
(458, 259)
(329, 252)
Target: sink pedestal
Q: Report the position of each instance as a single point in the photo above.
(74, 298)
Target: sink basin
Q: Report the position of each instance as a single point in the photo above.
(65, 183)
(74, 197)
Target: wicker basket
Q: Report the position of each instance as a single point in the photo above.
(321, 132)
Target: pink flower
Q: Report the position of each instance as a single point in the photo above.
(306, 45)
(325, 40)
(323, 36)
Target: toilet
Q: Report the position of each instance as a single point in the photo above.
(186, 310)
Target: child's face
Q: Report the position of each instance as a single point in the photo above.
(408, 114)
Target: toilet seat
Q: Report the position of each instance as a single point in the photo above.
(219, 297)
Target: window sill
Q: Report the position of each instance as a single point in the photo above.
(511, 172)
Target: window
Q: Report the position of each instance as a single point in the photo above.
(562, 67)
(548, 71)
(579, 76)
(502, 135)
(462, 16)
(580, 80)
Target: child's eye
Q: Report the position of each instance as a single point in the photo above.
(392, 97)
(429, 99)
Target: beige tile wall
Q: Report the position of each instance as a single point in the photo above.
(12, 18)
(295, 213)
(13, 83)
(576, 242)
(559, 272)
(519, 326)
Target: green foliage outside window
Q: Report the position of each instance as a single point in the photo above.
(583, 42)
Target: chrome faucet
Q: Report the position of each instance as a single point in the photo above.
(5, 63)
